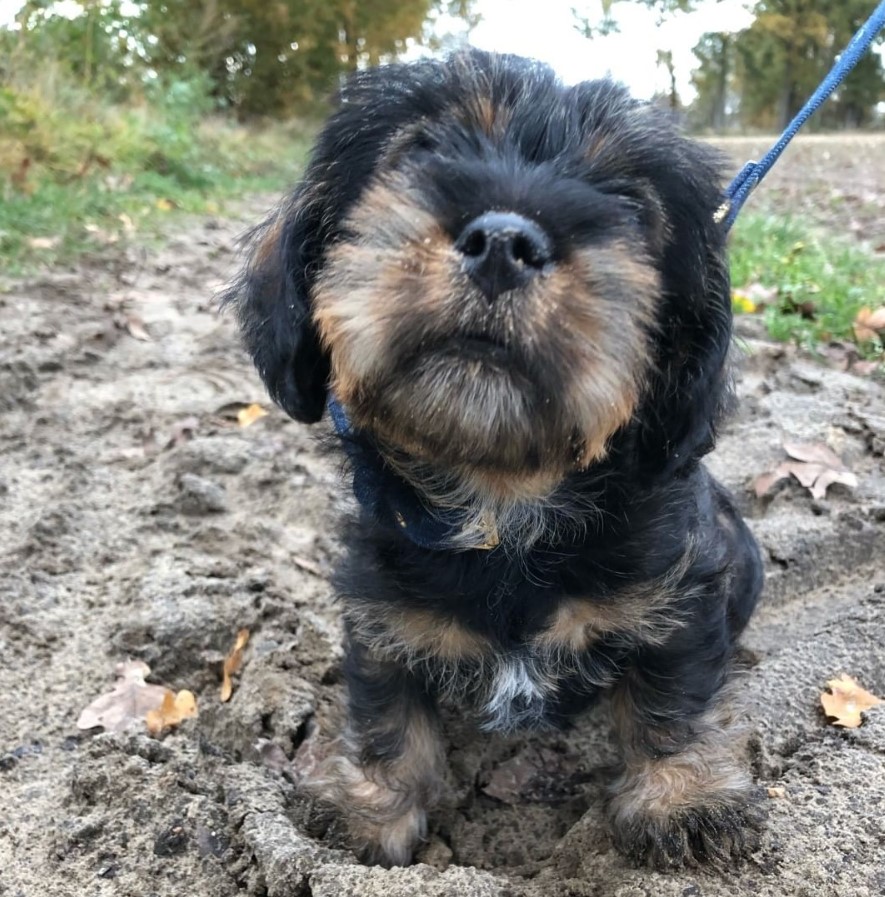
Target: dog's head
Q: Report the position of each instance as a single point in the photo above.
(495, 272)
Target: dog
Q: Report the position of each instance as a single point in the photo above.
(512, 297)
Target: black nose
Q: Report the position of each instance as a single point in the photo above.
(502, 251)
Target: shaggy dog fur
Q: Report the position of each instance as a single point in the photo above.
(518, 295)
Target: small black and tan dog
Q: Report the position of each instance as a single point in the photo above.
(513, 297)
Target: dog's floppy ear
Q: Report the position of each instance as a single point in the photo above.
(691, 385)
(271, 299)
(272, 293)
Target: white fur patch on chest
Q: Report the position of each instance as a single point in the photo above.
(517, 696)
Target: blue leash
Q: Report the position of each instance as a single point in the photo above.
(753, 172)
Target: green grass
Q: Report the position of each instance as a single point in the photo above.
(86, 173)
(818, 283)
(55, 220)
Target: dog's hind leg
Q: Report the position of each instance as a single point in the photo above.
(390, 769)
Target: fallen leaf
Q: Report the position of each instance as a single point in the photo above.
(814, 465)
(308, 566)
(251, 413)
(742, 303)
(847, 701)
(174, 710)
(869, 324)
(753, 297)
(232, 664)
(43, 242)
(135, 327)
(237, 412)
(129, 703)
(534, 774)
(777, 792)
(765, 482)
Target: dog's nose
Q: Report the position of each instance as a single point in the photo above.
(502, 251)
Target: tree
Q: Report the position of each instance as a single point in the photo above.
(261, 57)
(605, 22)
(712, 79)
(787, 51)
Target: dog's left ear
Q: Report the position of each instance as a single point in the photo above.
(691, 386)
(271, 299)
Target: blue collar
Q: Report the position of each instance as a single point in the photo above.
(392, 502)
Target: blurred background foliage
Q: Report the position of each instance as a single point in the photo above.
(114, 112)
(760, 77)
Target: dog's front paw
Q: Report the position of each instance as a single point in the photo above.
(386, 823)
(719, 832)
(390, 841)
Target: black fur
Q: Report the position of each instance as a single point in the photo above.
(649, 501)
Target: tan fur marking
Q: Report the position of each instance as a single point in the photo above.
(621, 289)
(398, 285)
(479, 111)
(432, 635)
(268, 243)
(643, 611)
(413, 636)
(709, 772)
(385, 805)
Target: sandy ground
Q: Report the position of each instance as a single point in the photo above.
(136, 520)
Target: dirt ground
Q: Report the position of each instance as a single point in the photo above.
(137, 521)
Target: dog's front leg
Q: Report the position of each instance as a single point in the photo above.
(684, 794)
(390, 770)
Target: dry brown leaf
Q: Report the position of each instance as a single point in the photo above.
(814, 453)
(231, 411)
(129, 703)
(847, 701)
(251, 413)
(174, 710)
(777, 791)
(232, 664)
(869, 324)
(828, 477)
(765, 482)
(815, 466)
(534, 774)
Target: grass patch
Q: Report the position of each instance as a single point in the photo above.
(816, 284)
(86, 173)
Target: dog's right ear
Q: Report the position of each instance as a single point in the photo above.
(271, 300)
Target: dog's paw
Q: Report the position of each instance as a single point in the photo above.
(392, 841)
(718, 833)
(386, 823)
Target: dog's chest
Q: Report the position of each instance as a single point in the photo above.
(516, 695)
